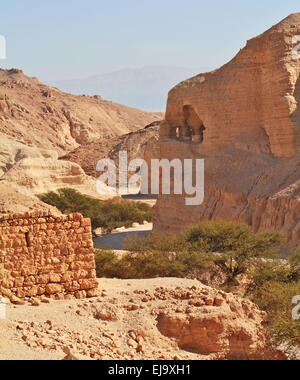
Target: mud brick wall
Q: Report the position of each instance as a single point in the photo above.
(46, 255)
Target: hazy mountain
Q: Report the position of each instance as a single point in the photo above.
(146, 88)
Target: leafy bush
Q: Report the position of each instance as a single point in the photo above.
(223, 237)
(295, 259)
(109, 214)
(274, 285)
(148, 264)
(155, 243)
(106, 264)
(231, 246)
(235, 245)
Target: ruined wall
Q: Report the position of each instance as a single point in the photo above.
(46, 255)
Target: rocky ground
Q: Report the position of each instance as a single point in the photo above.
(12, 200)
(138, 319)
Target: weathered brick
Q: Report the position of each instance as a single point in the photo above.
(53, 289)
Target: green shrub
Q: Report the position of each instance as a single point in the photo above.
(265, 272)
(231, 246)
(276, 299)
(155, 243)
(109, 214)
(148, 264)
(106, 263)
(70, 201)
(294, 259)
(273, 286)
(235, 245)
(224, 237)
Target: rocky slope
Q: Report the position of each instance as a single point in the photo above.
(14, 201)
(134, 143)
(243, 119)
(140, 319)
(39, 124)
(35, 114)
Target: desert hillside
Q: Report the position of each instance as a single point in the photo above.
(33, 113)
(134, 143)
(39, 124)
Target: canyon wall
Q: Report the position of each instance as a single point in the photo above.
(244, 121)
(252, 97)
(46, 255)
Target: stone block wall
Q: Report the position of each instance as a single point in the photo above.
(42, 255)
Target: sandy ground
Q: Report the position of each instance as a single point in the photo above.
(98, 328)
(116, 240)
(121, 324)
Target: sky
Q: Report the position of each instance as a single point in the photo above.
(68, 39)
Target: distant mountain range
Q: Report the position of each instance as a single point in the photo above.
(145, 88)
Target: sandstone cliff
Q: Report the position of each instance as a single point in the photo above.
(244, 120)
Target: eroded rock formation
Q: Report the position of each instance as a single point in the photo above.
(136, 144)
(244, 120)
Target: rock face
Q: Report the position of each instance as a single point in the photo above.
(12, 200)
(254, 97)
(244, 120)
(136, 144)
(212, 323)
(39, 175)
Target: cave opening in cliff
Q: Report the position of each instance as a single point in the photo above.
(193, 126)
(296, 113)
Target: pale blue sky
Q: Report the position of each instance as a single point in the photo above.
(66, 39)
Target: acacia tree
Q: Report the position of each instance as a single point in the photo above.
(232, 245)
